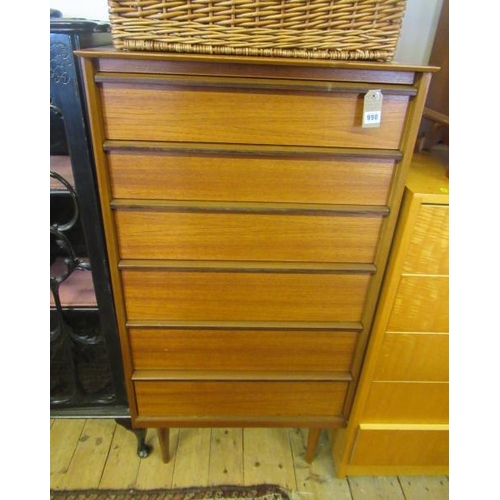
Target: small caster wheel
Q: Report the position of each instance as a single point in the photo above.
(144, 450)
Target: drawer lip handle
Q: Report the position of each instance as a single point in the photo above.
(327, 421)
(241, 376)
(253, 150)
(247, 266)
(315, 326)
(258, 84)
(263, 208)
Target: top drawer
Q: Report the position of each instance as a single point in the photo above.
(218, 113)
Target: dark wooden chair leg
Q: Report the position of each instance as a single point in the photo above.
(164, 438)
(143, 449)
(312, 443)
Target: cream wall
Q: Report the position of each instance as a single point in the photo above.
(414, 47)
(417, 34)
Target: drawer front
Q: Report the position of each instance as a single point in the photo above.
(414, 357)
(274, 350)
(236, 296)
(239, 399)
(428, 251)
(247, 116)
(421, 305)
(169, 176)
(407, 402)
(152, 234)
(401, 447)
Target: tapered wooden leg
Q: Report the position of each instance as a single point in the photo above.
(312, 443)
(164, 438)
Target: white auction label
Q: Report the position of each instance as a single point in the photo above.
(372, 117)
(372, 109)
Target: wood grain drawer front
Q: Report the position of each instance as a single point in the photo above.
(414, 357)
(247, 296)
(429, 246)
(421, 305)
(152, 234)
(239, 399)
(401, 447)
(160, 113)
(407, 402)
(240, 178)
(225, 350)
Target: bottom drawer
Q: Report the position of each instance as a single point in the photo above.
(247, 399)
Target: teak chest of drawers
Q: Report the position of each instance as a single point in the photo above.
(248, 217)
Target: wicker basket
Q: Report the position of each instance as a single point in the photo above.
(312, 29)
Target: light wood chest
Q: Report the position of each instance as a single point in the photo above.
(399, 421)
(248, 218)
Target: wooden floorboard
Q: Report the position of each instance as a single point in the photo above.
(316, 481)
(426, 487)
(122, 465)
(267, 457)
(375, 488)
(226, 457)
(99, 454)
(192, 458)
(91, 453)
(64, 438)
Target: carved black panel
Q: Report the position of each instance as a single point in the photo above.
(86, 376)
(80, 371)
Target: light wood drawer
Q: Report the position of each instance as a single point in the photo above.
(151, 234)
(268, 350)
(413, 357)
(235, 296)
(243, 177)
(143, 112)
(421, 305)
(239, 399)
(401, 447)
(429, 246)
(407, 402)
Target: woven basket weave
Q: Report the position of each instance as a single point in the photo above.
(311, 29)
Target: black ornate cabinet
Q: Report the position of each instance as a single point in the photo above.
(86, 373)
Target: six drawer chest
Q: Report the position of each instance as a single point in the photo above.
(248, 216)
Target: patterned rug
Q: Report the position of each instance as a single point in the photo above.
(258, 492)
